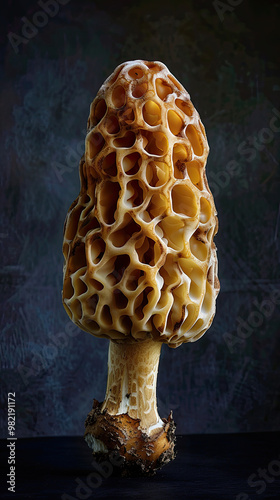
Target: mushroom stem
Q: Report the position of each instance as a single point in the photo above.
(132, 379)
(127, 422)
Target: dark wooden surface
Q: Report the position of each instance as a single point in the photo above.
(206, 467)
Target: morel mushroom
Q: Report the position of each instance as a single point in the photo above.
(140, 262)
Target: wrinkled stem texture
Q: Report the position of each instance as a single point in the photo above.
(132, 379)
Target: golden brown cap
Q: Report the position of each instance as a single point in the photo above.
(140, 261)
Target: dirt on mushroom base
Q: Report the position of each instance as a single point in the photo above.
(141, 454)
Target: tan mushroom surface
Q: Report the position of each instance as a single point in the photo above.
(140, 261)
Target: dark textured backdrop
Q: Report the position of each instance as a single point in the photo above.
(226, 54)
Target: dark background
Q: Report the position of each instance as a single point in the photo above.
(229, 62)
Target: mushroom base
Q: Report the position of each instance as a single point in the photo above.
(137, 453)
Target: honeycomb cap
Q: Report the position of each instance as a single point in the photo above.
(140, 261)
